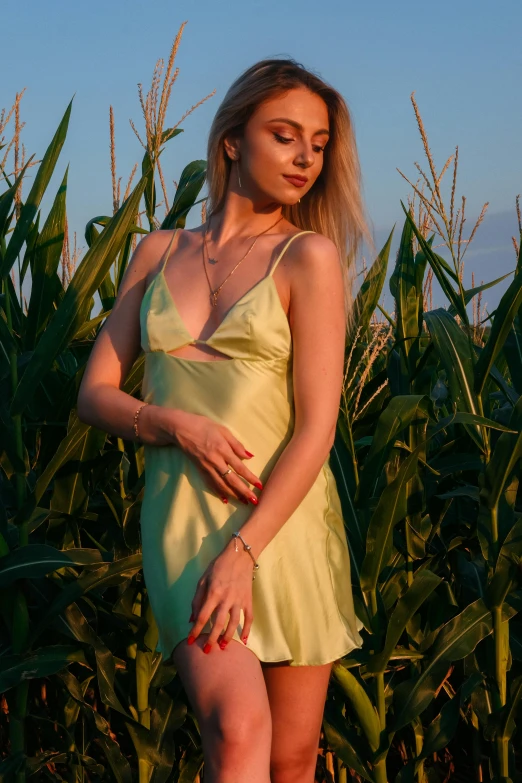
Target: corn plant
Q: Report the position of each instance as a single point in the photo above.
(427, 456)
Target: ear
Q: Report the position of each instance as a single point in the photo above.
(232, 147)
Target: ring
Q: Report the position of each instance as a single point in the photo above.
(225, 473)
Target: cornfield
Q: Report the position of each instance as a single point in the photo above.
(427, 461)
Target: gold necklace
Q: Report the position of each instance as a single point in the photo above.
(214, 294)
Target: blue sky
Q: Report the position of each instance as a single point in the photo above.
(463, 60)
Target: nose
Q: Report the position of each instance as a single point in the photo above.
(305, 158)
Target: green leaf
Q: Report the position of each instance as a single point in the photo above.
(15, 669)
(391, 508)
(508, 307)
(38, 188)
(191, 181)
(441, 270)
(458, 638)
(400, 412)
(424, 583)
(471, 292)
(37, 560)
(75, 304)
(100, 579)
(342, 740)
(503, 461)
(366, 712)
(45, 283)
(454, 350)
(369, 293)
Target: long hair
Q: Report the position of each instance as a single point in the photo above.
(334, 205)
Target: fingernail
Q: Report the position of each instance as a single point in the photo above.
(258, 485)
(254, 500)
(222, 645)
(248, 453)
(225, 500)
(191, 618)
(244, 639)
(207, 648)
(191, 639)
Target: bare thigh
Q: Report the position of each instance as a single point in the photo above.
(297, 696)
(227, 692)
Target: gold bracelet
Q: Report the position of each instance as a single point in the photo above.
(136, 419)
(248, 549)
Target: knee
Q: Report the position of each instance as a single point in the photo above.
(296, 764)
(235, 729)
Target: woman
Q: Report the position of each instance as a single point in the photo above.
(250, 590)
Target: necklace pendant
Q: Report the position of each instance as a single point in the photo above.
(213, 298)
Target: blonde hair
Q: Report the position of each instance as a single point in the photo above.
(334, 205)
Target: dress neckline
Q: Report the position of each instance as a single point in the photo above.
(268, 277)
(227, 314)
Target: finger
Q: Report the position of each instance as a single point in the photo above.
(236, 445)
(236, 456)
(236, 483)
(211, 602)
(217, 628)
(249, 619)
(233, 485)
(216, 482)
(197, 601)
(242, 470)
(235, 617)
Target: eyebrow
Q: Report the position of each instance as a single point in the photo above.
(298, 125)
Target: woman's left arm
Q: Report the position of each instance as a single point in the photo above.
(317, 322)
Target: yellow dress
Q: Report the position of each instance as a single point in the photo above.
(302, 596)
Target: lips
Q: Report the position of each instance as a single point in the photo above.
(299, 182)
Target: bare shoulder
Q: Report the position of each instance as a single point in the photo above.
(314, 258)
(151, 249)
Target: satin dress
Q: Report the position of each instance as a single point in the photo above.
(302, 601)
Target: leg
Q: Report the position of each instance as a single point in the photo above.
(297, 696)
(228, 695)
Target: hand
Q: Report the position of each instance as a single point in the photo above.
(213, 448)
(224, 587)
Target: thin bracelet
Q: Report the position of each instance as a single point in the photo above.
(136, 419)
(248, 549)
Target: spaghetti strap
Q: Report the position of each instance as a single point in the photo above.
(281, 254)
(167, 252)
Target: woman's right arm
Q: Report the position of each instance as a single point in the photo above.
(102, 404)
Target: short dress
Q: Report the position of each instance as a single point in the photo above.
(302, 602)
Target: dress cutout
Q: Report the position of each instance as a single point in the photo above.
(302, 596)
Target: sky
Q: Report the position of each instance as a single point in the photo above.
(462, 59)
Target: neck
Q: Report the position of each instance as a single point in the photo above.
(240, 218)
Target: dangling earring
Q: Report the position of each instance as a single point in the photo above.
(239, 178)
(298, 199)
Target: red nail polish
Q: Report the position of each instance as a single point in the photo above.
(207, 648)
(191, 639)
(244, 639)
(258, 485)
(222, 645)
(225, 500)
(254, 500)
(248, 453)
(191, 619)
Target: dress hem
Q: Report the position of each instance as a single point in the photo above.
(291, 661)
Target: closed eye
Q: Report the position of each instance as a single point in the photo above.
(285, 140)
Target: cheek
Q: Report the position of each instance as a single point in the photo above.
(267, 156)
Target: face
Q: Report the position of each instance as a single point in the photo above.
(284, 138)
